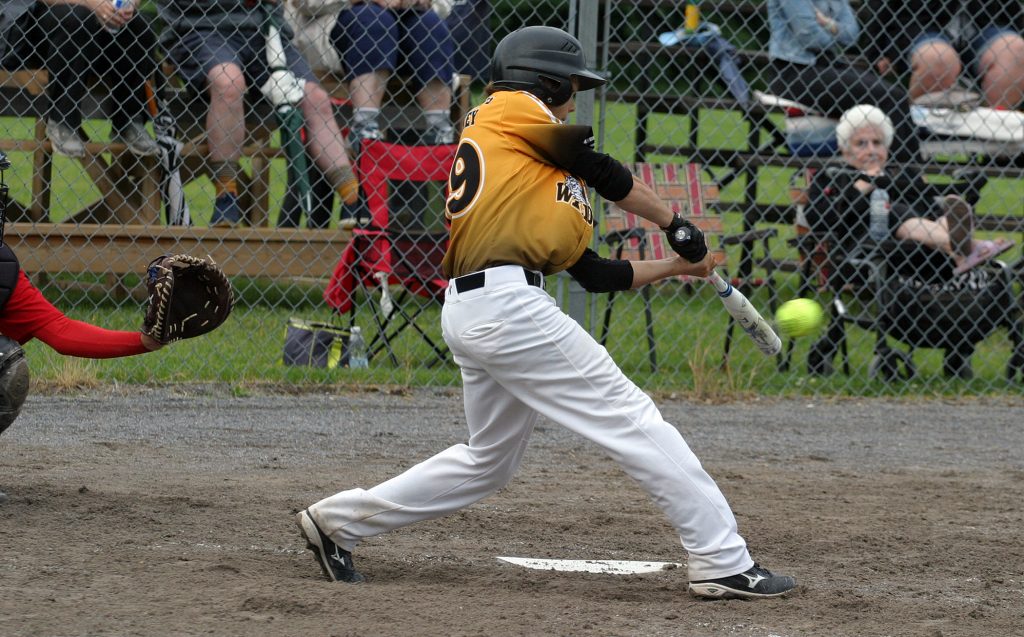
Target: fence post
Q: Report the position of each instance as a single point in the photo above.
(586, 27)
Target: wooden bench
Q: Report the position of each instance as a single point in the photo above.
(118, 250)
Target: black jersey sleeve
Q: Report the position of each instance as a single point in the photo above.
(598, 274)
(572, 147)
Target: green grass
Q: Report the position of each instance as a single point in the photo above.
(689, 323)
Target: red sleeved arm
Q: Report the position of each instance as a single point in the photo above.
(75, 338)
(27, 315)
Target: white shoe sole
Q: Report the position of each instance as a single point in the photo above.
(711, 590)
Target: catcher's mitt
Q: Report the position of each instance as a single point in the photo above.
(188, 296)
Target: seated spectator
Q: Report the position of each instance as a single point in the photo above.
(807, 37)
(218, 48)
(936, 40)
(376, 38)
(839, 201)
(77, 42)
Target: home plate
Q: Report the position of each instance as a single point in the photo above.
(611, 567)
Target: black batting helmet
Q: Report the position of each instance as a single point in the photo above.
(524, 57)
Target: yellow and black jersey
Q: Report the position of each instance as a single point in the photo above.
(509, 201)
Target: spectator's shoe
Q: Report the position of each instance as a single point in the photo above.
(364, 132)
(137, 139)
(357, 214)
(226, 211)
(960, 220)
(65, 140)
(335, 562)
(754, 583)
(438, 135)
(3, 497)
(984, 251)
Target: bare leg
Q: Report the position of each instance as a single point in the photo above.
(934, 234)
(367, 91)
(225, 122)
(1002, 71)
(934, 67)
(325, 140)
(435, 96)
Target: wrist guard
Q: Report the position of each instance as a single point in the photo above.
(686, 239)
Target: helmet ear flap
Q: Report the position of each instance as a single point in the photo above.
(554, 91)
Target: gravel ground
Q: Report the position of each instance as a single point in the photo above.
(169, 512)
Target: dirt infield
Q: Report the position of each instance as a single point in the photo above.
(169, 512)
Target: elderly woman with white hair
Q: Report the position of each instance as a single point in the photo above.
(921, 212)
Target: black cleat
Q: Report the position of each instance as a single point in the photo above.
(753, 583)
(336, 563)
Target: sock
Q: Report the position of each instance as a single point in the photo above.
(345, 184)
(225, 175)
(438, 119)
(365, 118)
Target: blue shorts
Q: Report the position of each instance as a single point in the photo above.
(197, 52)
(409, 42)
(970, 54)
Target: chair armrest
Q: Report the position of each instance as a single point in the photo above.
(748, 237)
(619, 236)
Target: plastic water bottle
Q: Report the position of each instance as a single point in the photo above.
(357, 350)
(879, 226)
(118, 5)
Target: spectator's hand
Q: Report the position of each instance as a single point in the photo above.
(826, 22)
(884, 65)
(864, 186)
(110, 17)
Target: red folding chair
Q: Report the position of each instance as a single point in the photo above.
(382, 254)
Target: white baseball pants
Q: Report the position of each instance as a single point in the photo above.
(522, 357)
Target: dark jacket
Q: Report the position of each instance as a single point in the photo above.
(10, 12)
(835, 206)
(840, 212)
(891, 26)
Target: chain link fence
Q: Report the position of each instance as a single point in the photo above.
(165, 127)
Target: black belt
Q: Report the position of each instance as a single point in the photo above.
(476, 280)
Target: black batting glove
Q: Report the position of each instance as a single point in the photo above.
(686, 239)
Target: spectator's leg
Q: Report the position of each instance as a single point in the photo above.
(72, 33)
(366, 37)
(225, 132)
(127, 64)
(1001, 68)
(225, 121)
(935, 66)
(934, 234)
(427, 46)
(325, 142)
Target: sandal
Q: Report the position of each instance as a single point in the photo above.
(983, 251)
(960, 220)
